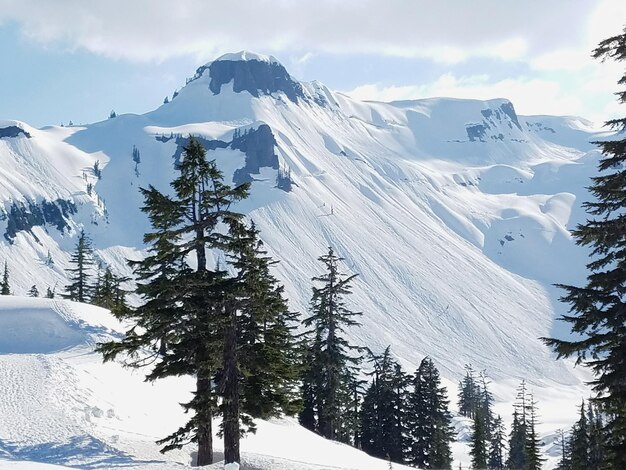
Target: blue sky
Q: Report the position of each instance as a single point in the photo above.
(74, 60)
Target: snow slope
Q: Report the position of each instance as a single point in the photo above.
(455, 213)
(60, 405)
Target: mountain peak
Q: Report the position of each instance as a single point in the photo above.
(246, 56)
(255, 73)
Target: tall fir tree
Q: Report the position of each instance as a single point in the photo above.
(108, 292)
(483, 422)
(269, 348)
(429, 420)
(598, 310)
(485, 404)
(478, 442)
(79, 275)
(259, 370)
(370, 429)
(597, 455)
(516, 459)
(469, 393)
(534, 460)
(5, 287)
(351, 431)
(496, 445)
(399, 383)
(385, 436)
(579, 442)
(584, 448)
(565, 462)
(308, 414)
(181, 321)
(518, 438)
(334, 357)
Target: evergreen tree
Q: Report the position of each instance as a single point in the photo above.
(430, 432)
(400, 382)
(269, 349)
(595, 426)
(350, 398)
(441, 453)
(385, 401)
(469, 393)
(259, 370)
(579, 442)
(584, 449)
(478, 443)
(332, 362)
(82, 259)
(308, 414)
(95, 288)
(370, 435)
(136, 160)
(108, 293)
(496, 445)
(5, 288)
(517, 444)
(353, 414)
(534, 460)
(485, 403)
(565, 463)
(597, 309)
(33, 292)
(483, 422)
(136, 155)
(97, 171)
(181, 323)
(49, 293)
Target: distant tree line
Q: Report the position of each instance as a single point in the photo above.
(91, 282)
(5, 282)
(585, 448)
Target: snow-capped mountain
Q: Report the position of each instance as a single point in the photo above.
(455, 213)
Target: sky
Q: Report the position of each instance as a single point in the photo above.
(76, 60)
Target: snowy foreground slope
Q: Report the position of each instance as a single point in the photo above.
(455, 213)
(60, 405)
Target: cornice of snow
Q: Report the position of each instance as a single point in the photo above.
(245, 56)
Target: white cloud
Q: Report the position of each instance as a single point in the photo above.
(554, 39)
(448, 31)
(563, 60)
(607, 19)
(297, 63)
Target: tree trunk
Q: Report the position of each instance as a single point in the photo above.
(205, 428)
(200, 251)
(231, 390)
(332, 409)
(203, 382)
